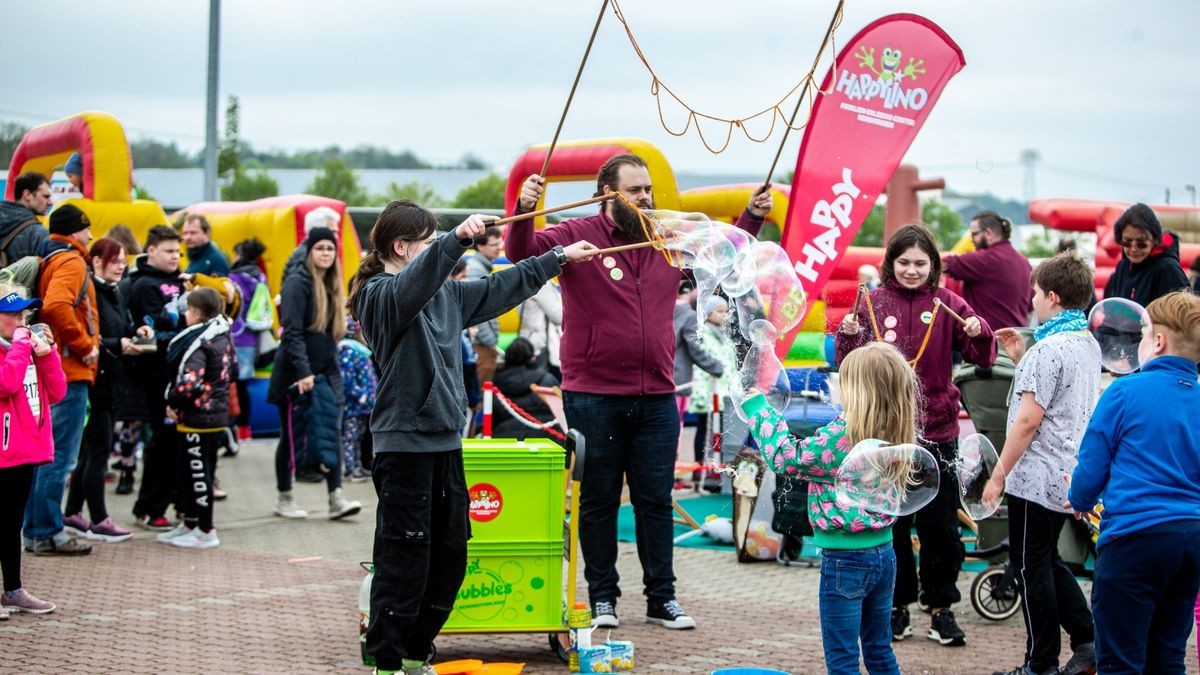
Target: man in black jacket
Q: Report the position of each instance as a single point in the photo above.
(21, 234)
(153, 291)
(1149, 266)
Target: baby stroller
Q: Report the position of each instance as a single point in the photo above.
(985, 395)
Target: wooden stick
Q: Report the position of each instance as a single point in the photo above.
(625, 247)
(553, 209)
(952, 313)
(833, 23)
(579, 74)
(862, 288)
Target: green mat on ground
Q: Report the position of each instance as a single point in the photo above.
(698, 507)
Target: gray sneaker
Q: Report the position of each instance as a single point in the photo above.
(72, 547)
(423, 669)
(340, 507)
(1083, 660)
(287, 508)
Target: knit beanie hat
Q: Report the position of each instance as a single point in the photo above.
(319, 234)
(74, 164)
(68, 219)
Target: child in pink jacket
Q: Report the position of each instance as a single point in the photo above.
(31, 380)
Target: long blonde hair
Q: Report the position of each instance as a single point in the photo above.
(879, 395)
(329, 299)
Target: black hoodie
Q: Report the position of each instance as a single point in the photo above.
(31, 241)
(1158, 274)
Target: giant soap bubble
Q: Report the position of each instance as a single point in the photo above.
(1119, 325)
(895, 480)
(976, 462)
(763, 371)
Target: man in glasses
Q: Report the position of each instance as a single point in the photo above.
(995, 275)
(1149, 266)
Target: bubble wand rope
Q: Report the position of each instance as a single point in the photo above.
(571, 96)
(924, 341)
(653, 239)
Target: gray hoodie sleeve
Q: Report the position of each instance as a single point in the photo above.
(699, 355)
(489, 298)
(407, 293)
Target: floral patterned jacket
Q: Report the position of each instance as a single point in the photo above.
(837, 524)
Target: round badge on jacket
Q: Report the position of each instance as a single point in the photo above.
(616, 274)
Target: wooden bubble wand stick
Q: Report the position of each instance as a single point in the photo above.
(946, 308)
(552, 209)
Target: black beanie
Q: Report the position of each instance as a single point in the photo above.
(319, 234)
(68, 219)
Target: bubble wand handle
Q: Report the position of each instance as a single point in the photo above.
(571, 96)
(631, 247)
(952, 313)
(552, 209)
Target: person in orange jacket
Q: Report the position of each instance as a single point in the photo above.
(69, 307)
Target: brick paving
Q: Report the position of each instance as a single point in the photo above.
(281, 596)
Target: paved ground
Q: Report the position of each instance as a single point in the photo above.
(281, 596)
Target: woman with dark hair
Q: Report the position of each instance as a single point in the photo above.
(1149, 267)
(108, 265)
(520, 373)
(313, 316)
(903, 312)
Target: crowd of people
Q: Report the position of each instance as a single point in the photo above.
(380, 381)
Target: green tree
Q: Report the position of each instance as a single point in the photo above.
(871, 232)
(11, 134)
(228, 150)
(1038, 245)
(485, 193)
(244, 186)
(148, 152)
(337, 180)
(139, 191)
(946, 224)
(420, 193)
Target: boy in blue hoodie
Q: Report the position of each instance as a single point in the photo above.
(1141, 454)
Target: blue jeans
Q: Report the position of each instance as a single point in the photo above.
(632, 438)
(43, 511)
(856, 603)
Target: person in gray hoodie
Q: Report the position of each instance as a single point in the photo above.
(412, 317)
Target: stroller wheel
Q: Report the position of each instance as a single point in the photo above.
(559, 645)
(991, 601)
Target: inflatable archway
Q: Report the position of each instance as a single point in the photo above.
(107, 169)
(279, 223)
(574, 161)
(1086, 215)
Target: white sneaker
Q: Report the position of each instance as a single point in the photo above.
(179, 531)
(197, 538)
(340, 507)
(286, 507)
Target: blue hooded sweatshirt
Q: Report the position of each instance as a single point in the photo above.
(1141, 451)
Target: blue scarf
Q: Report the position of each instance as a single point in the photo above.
(1066, 320)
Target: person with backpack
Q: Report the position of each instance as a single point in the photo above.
(257, 316)
(21, 233)
(69, 308)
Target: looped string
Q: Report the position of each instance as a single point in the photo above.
(806, 86)
(924, 341)
(657, 240)
(527, 419)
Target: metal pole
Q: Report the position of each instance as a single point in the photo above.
(210, 122)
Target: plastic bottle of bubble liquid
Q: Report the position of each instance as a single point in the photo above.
(364, 613)
(579, 620)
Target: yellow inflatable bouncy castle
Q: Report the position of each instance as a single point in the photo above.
(107, 169)
(278, 222)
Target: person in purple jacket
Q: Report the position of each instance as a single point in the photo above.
(995, 276)
(618, 363)
(247, 275)
(902, 312)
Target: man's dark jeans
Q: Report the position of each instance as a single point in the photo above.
(634, 438)
(421, 533)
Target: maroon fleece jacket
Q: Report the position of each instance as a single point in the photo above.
(995, 282)
(618, 330)
(902, 316)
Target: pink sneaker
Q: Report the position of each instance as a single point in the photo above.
(108, 531)
(21, 601)
(77, 525)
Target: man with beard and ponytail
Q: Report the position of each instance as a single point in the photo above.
(618, 361)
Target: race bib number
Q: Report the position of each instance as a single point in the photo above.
(31, 390)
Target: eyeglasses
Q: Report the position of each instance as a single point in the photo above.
(1136, 243)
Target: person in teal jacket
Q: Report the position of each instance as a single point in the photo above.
(1141, 455)
(858, 571)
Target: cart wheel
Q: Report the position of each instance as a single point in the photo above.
(558, 645)
(992, 603)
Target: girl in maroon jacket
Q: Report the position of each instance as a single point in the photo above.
(903, 312)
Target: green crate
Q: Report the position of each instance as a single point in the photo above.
(516, 490)
(510, 587)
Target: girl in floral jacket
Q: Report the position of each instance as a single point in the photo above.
(31, 380)
(879, 394)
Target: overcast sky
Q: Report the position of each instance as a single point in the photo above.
(1107, 92)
